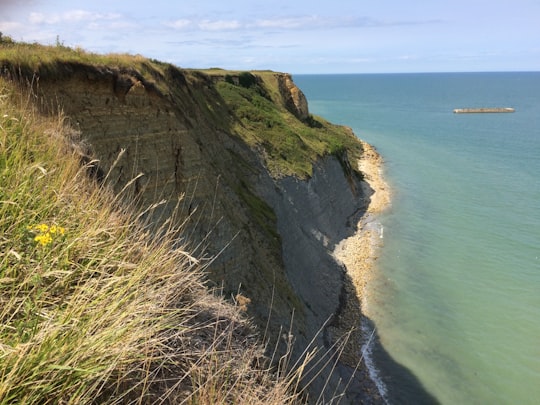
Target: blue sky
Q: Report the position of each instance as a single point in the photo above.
(340, 36)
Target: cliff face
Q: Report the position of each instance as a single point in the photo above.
(268, 237)
(293, 98)
(185, 152)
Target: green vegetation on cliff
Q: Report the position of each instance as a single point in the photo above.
(291, 145)
(255, 103)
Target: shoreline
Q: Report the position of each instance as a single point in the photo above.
(358, 254)
(361, 250)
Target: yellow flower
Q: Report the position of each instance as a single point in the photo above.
(46, 233)
(57, 229)
(43, 228)
(43, 239)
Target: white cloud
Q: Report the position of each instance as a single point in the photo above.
(287, 23)
(40, 18)
(112, 26)
(282, 24)
(82, 15)
(407, 57)
(219, 25)
(290, 23)
(9, 26)
(72, 16)
(205, 25)
(179, 24)
(315, 22)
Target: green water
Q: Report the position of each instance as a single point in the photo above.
(457, 296)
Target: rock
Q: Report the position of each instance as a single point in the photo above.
(294, 100)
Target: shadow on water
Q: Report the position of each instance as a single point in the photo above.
(402, 386)
(380, 379)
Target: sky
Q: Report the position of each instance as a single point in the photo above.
(294, 36)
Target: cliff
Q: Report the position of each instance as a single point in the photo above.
(267, 190)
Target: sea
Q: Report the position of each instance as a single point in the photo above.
(455, 297)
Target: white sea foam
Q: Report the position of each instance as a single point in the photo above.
(367, 355)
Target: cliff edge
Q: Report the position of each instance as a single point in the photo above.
(268, 191)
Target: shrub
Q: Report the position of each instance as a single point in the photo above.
(247, 80)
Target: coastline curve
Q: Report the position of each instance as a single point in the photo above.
(358, 254)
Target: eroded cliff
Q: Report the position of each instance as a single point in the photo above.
(266, 190)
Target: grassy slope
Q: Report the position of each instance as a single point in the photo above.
(86, 294)
(290, 146)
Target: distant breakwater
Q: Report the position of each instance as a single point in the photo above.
(484, 110)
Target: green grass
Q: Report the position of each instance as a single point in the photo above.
(290, 146)
(94, 308)
(47, 59)
(32, 60)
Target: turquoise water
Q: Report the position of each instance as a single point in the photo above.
(457, 296)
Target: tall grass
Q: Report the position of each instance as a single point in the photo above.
(44, 58)
(95, 307)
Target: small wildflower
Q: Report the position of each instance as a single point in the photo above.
(42, 228)
(57, 229)
(44, 239)
(45, 234)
